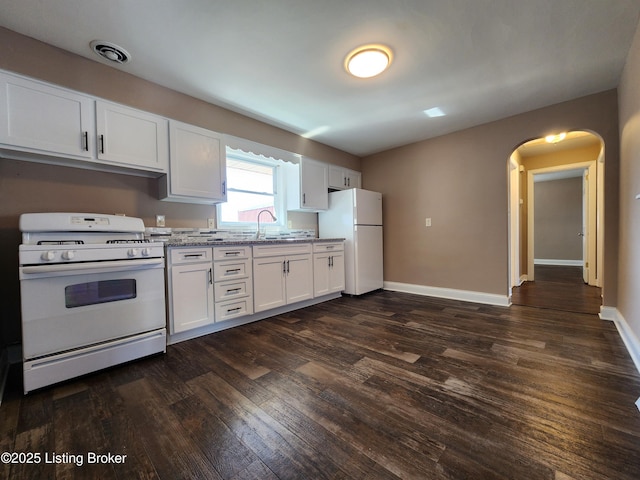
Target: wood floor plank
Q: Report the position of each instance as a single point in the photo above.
(168, 445)
(382, 386)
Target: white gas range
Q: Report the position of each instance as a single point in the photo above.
(92, 294)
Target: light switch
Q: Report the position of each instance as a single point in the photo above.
(427, 222)
(159, 220)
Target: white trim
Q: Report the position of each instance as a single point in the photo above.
(266, 151)
(559, 262)
(628, 337)
(588, 166)
(449, 293)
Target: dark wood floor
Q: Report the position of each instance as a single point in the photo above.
(383, 386)
(558, 288)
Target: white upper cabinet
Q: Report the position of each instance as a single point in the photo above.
(342, 178)
(45, 120)
(132, 138)
(197, 168)
(308, 186)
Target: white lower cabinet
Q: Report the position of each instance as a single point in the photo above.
(282, 274)
(190, 275)
(207, 285)
(232, 277)
(328, 268)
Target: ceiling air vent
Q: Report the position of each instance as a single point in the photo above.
(110, 51)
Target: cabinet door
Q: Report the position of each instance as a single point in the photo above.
(321, 274)
(314, 185)
(336, 272)
(197, 163)
(45, 119)
(131, 137)
(299, 278)
(352, 179)
(191, 296)
(269, 283)
(336, 177)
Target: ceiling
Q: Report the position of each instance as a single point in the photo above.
(281, 61)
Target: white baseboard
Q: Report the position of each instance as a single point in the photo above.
(553, 261)
(450, 293)
(628, 336)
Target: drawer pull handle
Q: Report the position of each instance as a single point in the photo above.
(233, 270)
(229, 310)
(193, 255)
(233, 290)
(231, 254)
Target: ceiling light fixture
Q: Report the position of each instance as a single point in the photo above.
(368, 61)
(555, 138)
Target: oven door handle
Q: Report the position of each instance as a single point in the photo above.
(107, 266)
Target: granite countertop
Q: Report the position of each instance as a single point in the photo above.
(213, 242)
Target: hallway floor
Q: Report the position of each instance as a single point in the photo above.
(558, 288)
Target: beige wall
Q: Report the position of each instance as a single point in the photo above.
(32, 187)
(460, 181)
(558, 219)
(629, 264)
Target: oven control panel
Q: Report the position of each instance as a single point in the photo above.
(40, 254)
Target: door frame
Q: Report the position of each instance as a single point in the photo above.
(591, 230)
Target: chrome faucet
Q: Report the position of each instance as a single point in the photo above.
(259, 213)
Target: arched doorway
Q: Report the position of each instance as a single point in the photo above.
(573, 160)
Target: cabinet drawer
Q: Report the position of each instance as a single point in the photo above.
(238, 308)
(328, 247)
(190, 255)
(281, 249)
(228, 270)
(225, 253)
(229, 290)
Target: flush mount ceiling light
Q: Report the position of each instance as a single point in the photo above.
(555, 138)
(110, 51)
(368, 61)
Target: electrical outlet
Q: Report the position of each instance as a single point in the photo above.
(211, 223)
(159, 220)
(427, 222)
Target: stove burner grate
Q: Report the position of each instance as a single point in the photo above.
(141, 240)
(60, 242)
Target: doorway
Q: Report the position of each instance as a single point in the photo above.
(569, 277)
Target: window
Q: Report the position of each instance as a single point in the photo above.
(252, 186)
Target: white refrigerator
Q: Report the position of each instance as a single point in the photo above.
(356, 216)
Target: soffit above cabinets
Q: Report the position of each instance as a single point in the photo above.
(281, 61)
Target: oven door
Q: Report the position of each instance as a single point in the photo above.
(69, 306)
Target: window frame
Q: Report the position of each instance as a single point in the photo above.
(278, 190)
